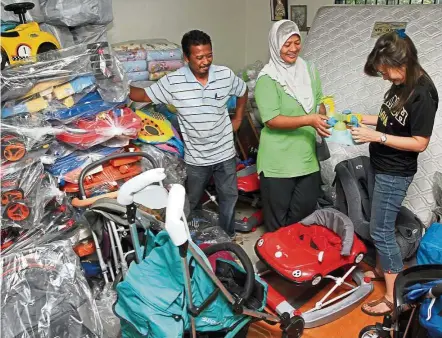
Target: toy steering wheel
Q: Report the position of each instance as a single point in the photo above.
(20, 9)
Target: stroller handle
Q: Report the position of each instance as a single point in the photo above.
(95, 164)
(243, 258)
(437, 291)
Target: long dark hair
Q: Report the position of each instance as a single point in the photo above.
(396, 49)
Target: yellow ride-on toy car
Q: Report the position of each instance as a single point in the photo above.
(21, 42)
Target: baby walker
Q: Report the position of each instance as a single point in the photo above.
(305, 253)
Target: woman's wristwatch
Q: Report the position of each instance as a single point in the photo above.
(383, 138)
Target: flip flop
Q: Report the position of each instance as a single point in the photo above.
(377, 277)
(376, 302)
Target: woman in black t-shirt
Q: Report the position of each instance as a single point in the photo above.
(403, 130)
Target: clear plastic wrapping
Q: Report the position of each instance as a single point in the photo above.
(105, 301)
(67, 13)
(103, 178)
(24, 195)
(68, 164)
(57, 223)
(175, 167)
(72, 13)
(36, 14)
(62, 34)
(249, 74)
(22, 136)
(118, 125)
(45, 294)
(29, 88)
(203, 227)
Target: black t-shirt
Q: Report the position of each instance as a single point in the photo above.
(415, 119)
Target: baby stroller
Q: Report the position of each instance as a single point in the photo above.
(110, 249)
(418, 306)
(170, 290)
(308, 252)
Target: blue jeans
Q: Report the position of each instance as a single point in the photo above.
(388, 195)
(224, 175)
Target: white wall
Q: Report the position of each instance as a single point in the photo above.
(259, 23)
(238, 28)
(223, 20)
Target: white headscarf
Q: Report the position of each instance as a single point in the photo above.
(294, 78)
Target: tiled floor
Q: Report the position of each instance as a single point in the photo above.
(345, 327)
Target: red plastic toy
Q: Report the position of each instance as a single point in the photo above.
(303, 253)
(106, 125)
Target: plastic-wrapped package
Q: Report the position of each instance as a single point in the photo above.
(175, 167)
(67, 168)
(84, 105)
(24, 194)
(45, 294)
(121, 125)
(105, 301)
(21, 136)
(59, 67)
(61, 33)
(105, 177)
(35, 14)
(57, 223)
(150, 50)
(203, 227)
(89, 33)
(249, 74)
(74, 13)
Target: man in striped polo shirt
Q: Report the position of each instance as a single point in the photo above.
(200, 91)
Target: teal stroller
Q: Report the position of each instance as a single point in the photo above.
(171, 289)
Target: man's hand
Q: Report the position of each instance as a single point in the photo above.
(236, 123)
(319, 122)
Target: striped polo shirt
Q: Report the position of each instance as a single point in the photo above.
(202, 111)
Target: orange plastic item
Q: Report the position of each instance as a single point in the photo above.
(106, 177)
(17, 212)
(85, 248)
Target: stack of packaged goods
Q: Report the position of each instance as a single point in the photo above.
(148, 60)
(68, 100)
(70, 22)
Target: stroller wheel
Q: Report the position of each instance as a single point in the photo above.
(295, 328)
(369, 332)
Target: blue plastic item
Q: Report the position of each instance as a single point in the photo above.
(430, 248)
(88, 106)
(431, 308)
(77, 159)
(91, 269)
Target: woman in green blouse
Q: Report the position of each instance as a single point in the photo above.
(288, 94)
